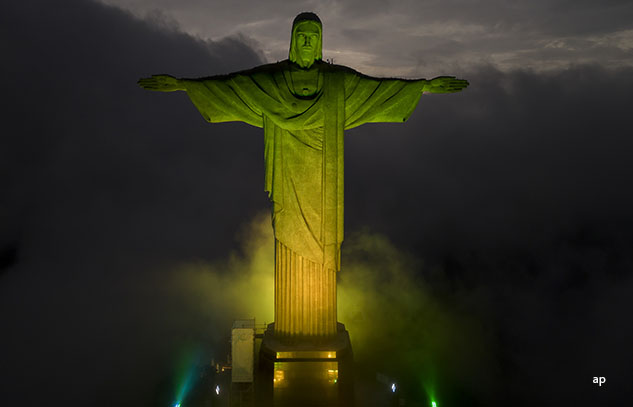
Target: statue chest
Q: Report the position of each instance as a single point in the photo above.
(306, 83)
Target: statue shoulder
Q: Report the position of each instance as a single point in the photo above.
(349, 77)
(272, 67)
(260, 70)
(340, 69)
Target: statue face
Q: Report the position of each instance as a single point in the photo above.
(307, 42)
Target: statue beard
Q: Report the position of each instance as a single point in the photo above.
(306, 58)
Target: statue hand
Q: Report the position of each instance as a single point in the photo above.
(161, 83)
(445, 84)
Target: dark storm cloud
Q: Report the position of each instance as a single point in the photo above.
(516, 152)
(101, 192)
(77, 72)
(515, 195)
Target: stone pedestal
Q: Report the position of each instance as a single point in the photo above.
(309, 373)
(306, 356)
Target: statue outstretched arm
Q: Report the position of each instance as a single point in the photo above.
(445, 84)
(218, 98)
(162, 83)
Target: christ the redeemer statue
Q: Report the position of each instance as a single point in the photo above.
(304, 105)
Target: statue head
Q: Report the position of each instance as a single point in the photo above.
(305, 42)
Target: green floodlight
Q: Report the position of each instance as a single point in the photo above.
(433, 404)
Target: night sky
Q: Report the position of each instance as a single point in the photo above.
(489, 240)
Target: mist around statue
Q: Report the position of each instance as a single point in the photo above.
(391, 309)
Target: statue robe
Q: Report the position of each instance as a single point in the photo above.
(304, 140)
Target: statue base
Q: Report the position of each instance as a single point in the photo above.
(306, 372)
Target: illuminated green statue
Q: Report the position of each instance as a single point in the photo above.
(304, 105)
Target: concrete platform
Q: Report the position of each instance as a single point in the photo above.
(306, 372)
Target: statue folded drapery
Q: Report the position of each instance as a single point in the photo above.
(304, 140)
(304, 154)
